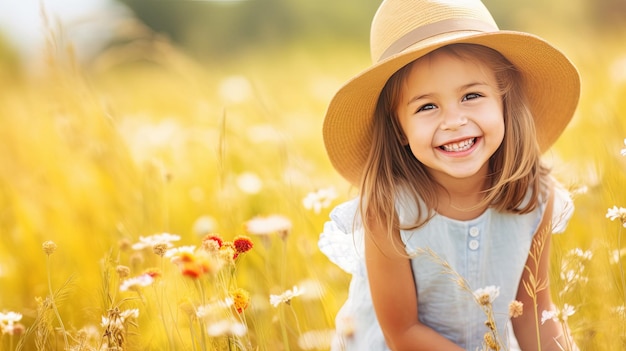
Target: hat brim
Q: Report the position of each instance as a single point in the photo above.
(550, 81)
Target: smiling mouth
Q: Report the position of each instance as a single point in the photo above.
(459, 146)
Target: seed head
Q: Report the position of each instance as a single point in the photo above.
(516, 309)
(125, 244)
(49, 247)
(484, 299)
(136, 259)
(160, 248)
(491, 342)
(122, 271)
(490, 324)
(485, 296)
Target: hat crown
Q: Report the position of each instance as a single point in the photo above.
(405, 30)
(396, 24)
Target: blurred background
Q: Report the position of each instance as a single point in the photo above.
(127, 118)
(225, 29)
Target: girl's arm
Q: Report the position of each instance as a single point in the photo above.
(394, 296)
(551, 333)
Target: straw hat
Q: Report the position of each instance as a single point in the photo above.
(404, 30)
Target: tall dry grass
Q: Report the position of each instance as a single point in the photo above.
(147, 141)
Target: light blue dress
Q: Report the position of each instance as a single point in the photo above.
(490, 250)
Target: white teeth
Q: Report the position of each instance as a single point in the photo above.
(460, 146)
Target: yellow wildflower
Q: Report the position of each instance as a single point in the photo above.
(241, 299)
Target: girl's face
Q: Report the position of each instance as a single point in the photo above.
(451, 113)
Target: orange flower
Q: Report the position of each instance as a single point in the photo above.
(195, 264)
(185, 256)
(241, 299)
(207, 263)
(190, 269)
(153, 272)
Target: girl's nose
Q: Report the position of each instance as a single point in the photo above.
(453, 120)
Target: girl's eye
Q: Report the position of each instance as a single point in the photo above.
(426, 107)
(471, 96)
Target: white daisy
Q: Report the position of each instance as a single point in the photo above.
(227, 327)
(617, 213)
(320, 199)
(285, 297)
(150, 241)
(487, 294)
(136, 282)
(268, 225)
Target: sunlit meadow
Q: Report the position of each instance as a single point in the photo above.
(152, 202)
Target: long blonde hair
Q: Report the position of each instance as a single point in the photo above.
(514, 169)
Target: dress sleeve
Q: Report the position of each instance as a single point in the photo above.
(338, 242)
(563, 209)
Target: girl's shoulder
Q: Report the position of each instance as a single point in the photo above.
(411, 210)
(341, 239)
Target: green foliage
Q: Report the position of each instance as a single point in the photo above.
(225, 29)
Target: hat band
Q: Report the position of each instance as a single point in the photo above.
(430, 30)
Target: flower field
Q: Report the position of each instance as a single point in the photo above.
(149, 201)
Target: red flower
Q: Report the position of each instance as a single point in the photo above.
(214, 237)
(242, 244)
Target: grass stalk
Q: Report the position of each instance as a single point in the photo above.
(536, 314)
(203, 335)
(54, 305)
(619, 263)
(283, 330)
(621, 272)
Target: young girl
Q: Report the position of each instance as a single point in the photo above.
(443, 136)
